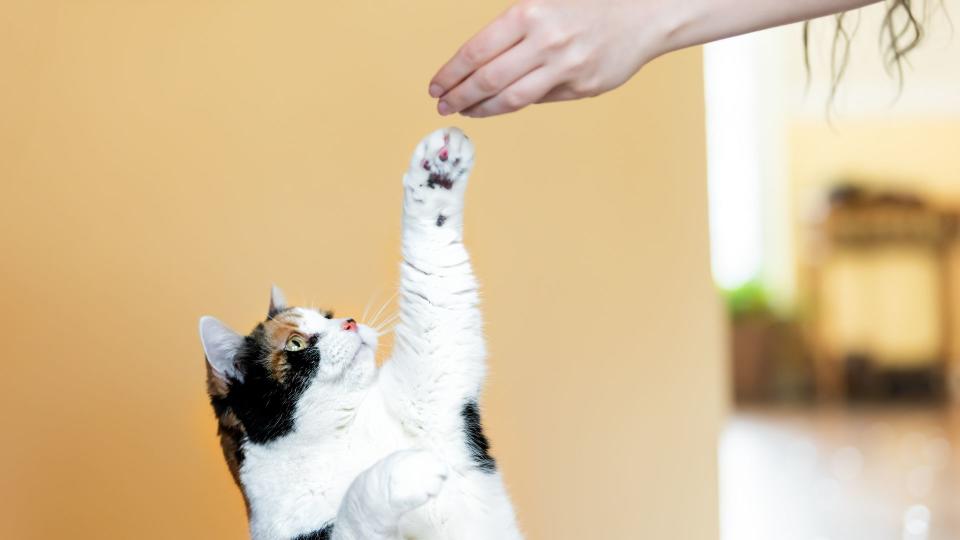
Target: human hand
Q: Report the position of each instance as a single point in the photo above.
(549, 50)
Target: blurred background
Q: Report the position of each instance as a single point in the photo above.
(716, 308)
(834, 231)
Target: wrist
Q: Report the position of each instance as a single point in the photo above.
(678, 24)
(685, 23)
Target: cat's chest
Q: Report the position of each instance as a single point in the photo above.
(299, 481)
(290, 475)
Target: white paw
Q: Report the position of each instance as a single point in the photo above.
(416, 476)
(438, 173)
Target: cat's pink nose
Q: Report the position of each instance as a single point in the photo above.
(350, 325)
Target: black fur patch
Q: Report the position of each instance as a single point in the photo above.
(441, 219)
(264, 405)
(439, 180)
(477, 442)
(325, 533)
(238, 437)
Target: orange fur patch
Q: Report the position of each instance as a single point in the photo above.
(278, 330)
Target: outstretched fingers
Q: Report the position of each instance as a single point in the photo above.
(526, 91)
(493, 78)
(499, 36)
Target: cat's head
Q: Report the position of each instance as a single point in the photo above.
(256, 381)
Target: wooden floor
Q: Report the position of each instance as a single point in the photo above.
(841, 474)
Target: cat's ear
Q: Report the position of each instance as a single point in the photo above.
(278, 302)
(220, 344)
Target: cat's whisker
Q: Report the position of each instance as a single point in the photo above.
(376, 316)
(387, 317)
(386, 331)
(388, 321)
(366, 308)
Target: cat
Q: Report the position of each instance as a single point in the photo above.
(325, 445)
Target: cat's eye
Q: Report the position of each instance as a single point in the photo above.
(295, 343)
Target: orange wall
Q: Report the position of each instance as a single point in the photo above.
(162, 160)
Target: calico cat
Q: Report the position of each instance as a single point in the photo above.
(322, 443)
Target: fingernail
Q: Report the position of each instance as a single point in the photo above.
(436, 90)
(443, 108)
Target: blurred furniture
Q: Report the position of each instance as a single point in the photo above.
(879, 327)
(770, 360)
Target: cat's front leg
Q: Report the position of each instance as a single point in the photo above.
(438, 364)
(380, 496)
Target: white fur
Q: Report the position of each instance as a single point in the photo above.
(382, 453)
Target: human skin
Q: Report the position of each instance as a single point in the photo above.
(539, 51)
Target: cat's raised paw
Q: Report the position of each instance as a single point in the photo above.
(438, 174)
(416, 476)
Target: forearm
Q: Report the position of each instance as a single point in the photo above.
(694, 22)
(439, 349)
(554, 50)
(438, 301)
